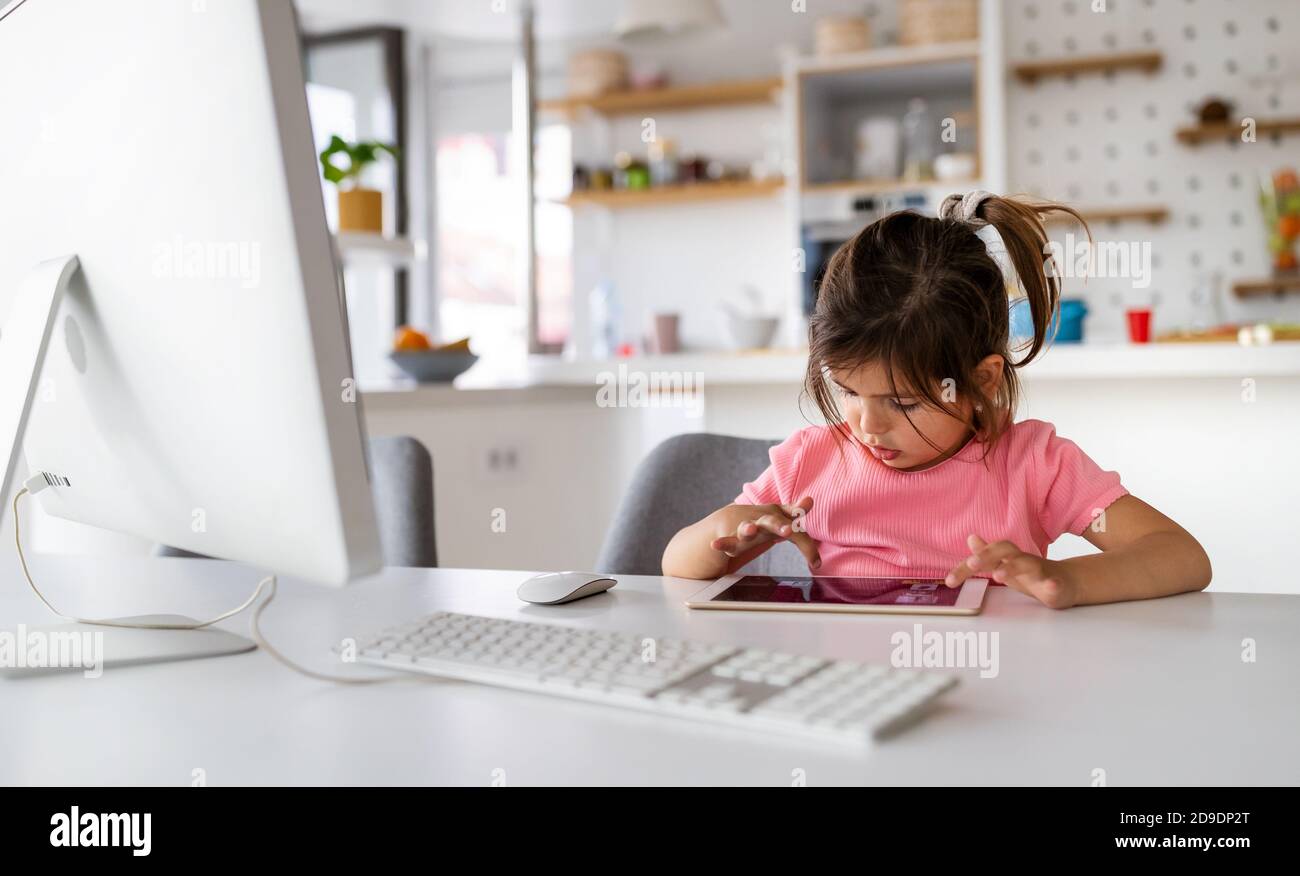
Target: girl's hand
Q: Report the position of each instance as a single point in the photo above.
(1002, 561)
(747, 527)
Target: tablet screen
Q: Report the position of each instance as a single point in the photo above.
(840, 591)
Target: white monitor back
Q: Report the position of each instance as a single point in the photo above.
(198, 386)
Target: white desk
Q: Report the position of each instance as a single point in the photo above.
(1152, 692)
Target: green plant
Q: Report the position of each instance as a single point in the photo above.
(360, 156)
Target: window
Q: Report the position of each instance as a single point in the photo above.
(478, 244)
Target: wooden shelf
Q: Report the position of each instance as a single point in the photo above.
(1154, 214)
(1197, 134)
(889, 58)
(673, 98)
(872, 187)
(1227, 335)
(1032, 71)
(1271, 286)
(677, 194)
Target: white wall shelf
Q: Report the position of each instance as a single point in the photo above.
(361, 249)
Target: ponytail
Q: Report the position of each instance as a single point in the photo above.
(1020, 225)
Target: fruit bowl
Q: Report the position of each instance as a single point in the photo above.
(434, 366)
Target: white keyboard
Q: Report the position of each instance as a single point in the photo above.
(829, 700)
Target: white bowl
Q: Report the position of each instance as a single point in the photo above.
(752, 332)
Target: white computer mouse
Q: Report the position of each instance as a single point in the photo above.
(557, 588)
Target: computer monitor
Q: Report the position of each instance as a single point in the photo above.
(197, 385)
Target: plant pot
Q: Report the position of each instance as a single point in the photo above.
(361, 210)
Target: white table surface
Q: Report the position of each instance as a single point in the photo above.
(1151, 692)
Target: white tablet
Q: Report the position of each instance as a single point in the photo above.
(866, 595)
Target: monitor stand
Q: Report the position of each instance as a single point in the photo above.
(92, 648)
(24, 341)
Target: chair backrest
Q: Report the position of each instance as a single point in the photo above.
(401, 478)
(683, 480)
(401, 481)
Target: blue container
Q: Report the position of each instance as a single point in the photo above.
(1067, 324)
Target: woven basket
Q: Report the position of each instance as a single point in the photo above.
(837, 35)
(596, 72)
(921, 22)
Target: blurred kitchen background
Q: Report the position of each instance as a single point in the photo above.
(695, 162)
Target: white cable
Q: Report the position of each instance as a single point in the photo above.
(22, 560)
(262, 643)
(37, 483)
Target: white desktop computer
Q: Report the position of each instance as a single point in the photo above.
(175, 357)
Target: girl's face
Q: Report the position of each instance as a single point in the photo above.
(879, 419)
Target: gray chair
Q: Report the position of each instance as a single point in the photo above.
(401, 480)
(684, 479)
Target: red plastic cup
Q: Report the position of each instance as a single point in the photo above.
(1139, 325)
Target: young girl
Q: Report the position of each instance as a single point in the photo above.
(922, 471)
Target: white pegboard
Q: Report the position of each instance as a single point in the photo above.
(1108, 140)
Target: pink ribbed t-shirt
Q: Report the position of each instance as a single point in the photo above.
(872, 520)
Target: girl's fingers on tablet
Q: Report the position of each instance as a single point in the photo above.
(1025, 573)
(1022, 568)
(989, 557)
(959, 574)
(962, 570)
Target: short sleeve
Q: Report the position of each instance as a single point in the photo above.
(776, 484)
(1071, 489)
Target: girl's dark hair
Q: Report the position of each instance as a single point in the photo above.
(924, 298)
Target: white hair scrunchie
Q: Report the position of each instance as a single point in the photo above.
(963, 208)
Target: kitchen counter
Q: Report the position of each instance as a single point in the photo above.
(503, 382)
